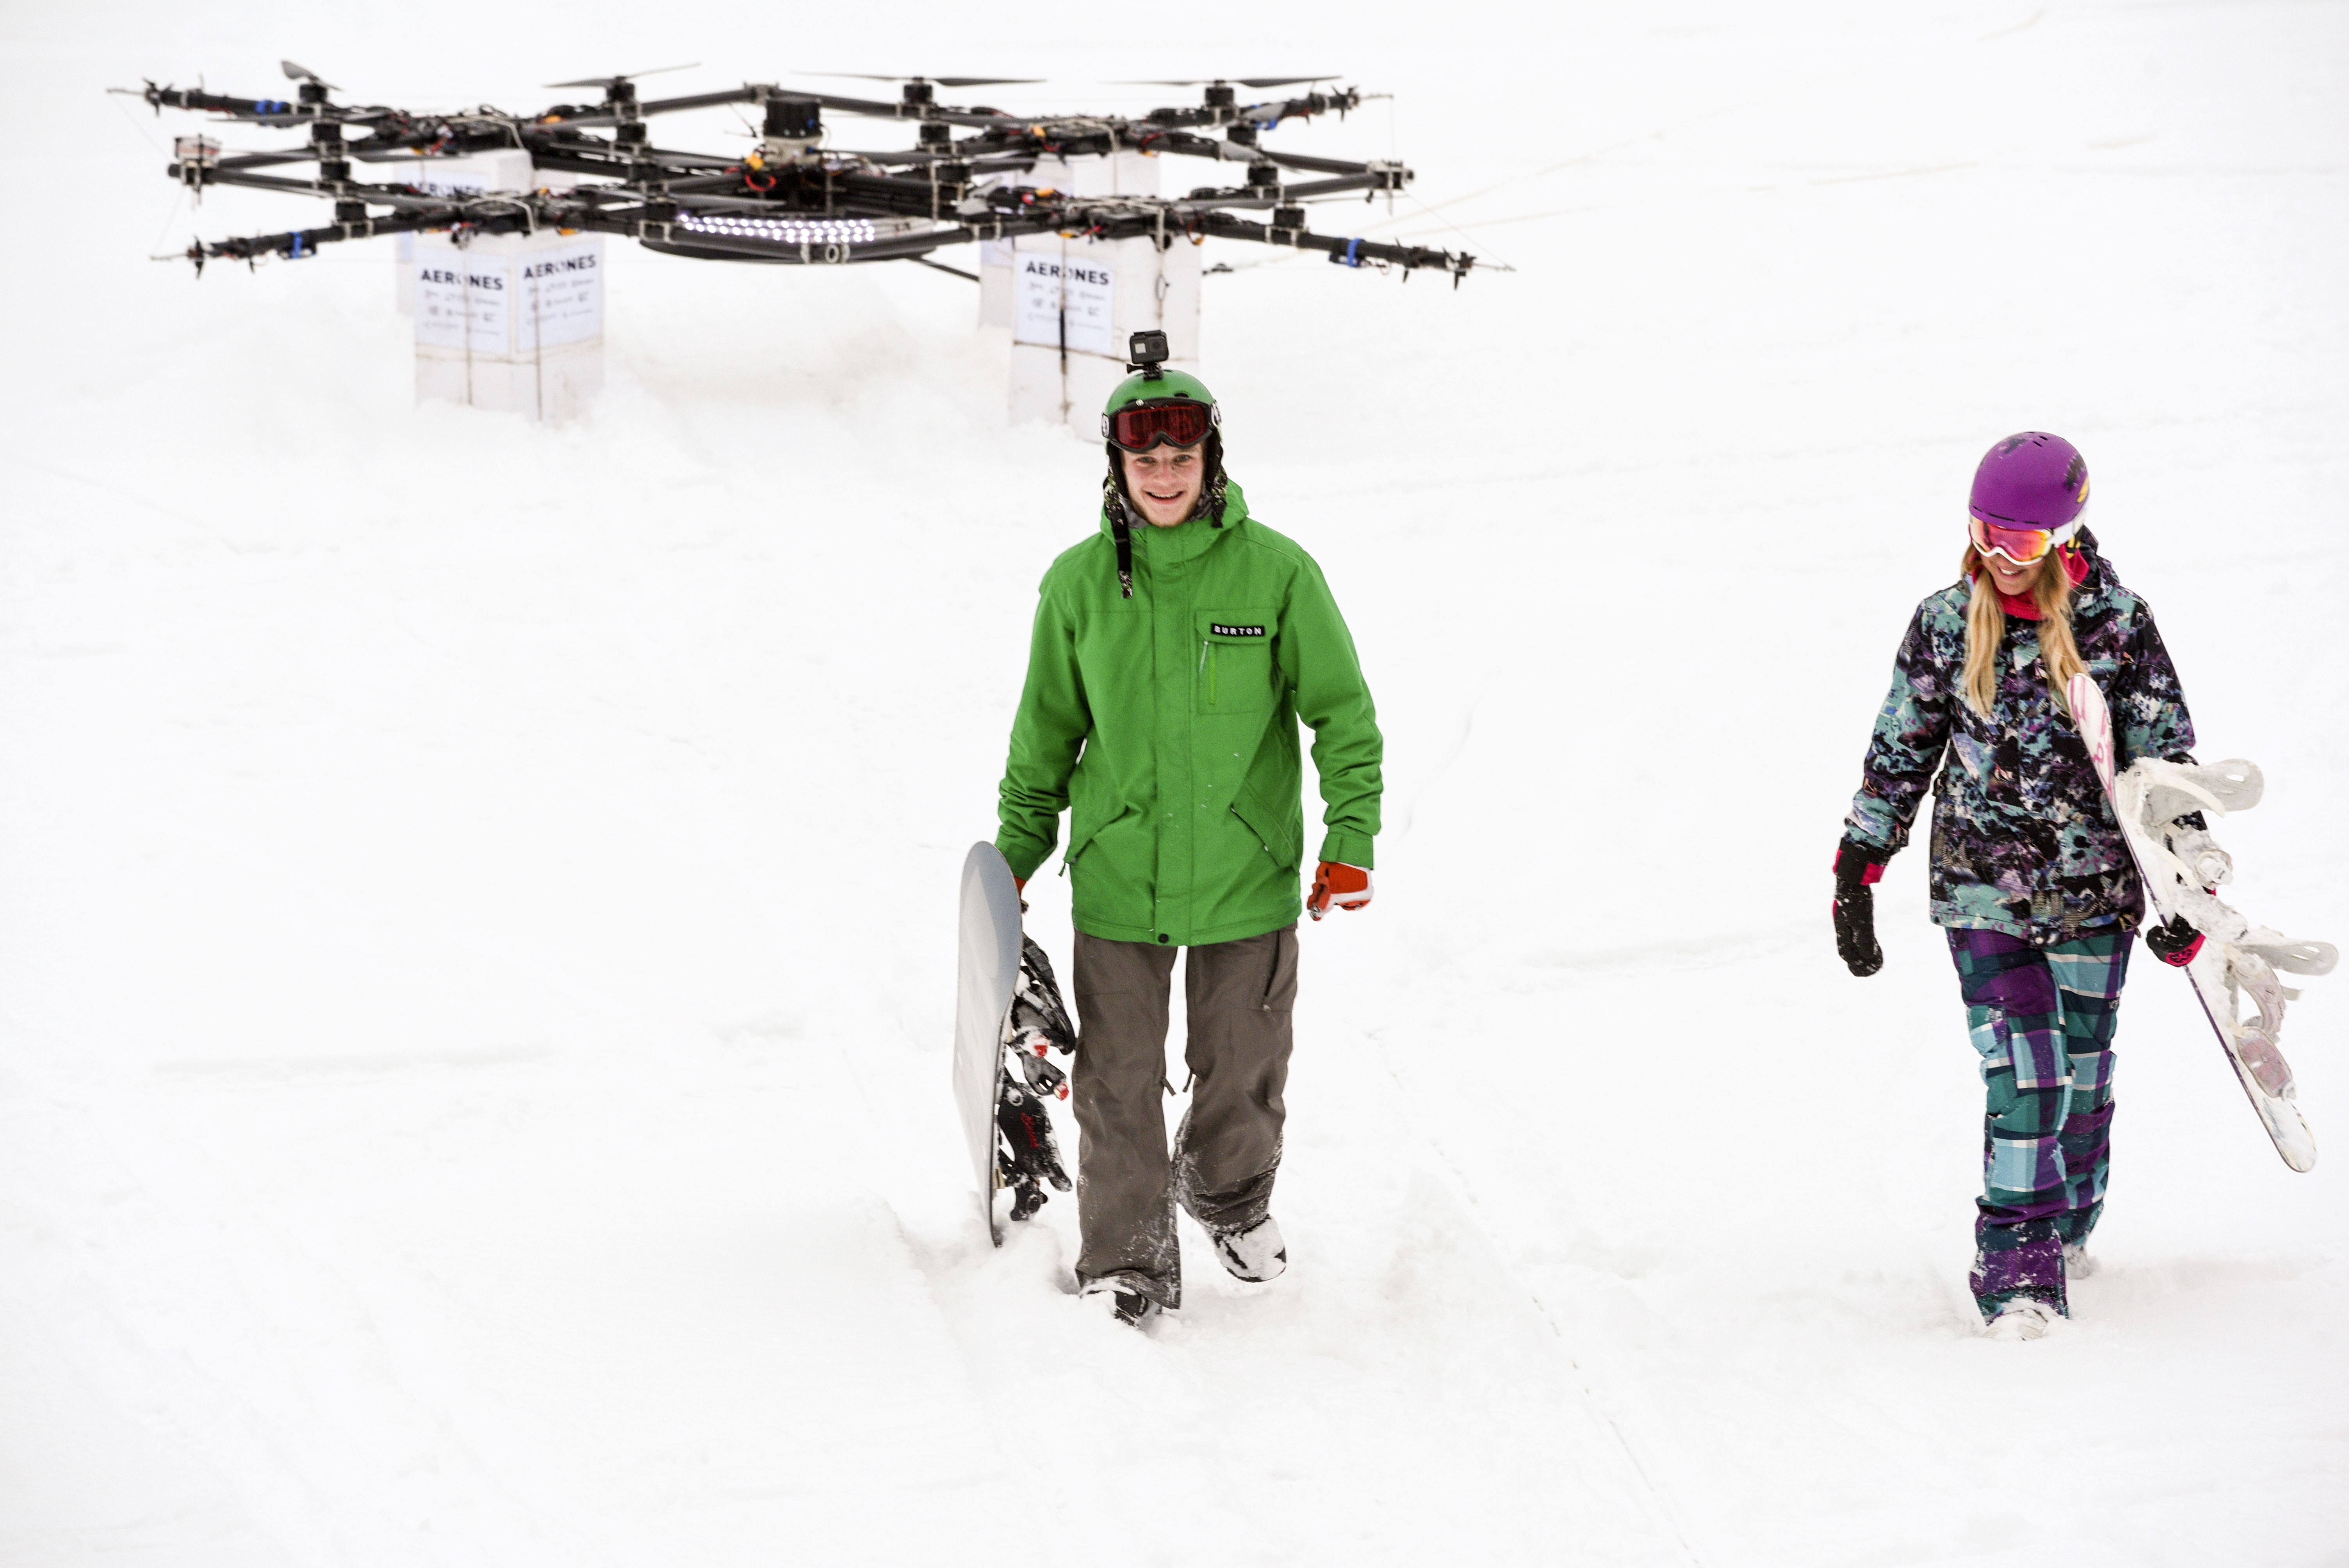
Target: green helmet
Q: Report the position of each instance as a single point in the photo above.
(1151, 385)
(1154, 406)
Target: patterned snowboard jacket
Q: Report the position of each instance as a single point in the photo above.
(2023, 842)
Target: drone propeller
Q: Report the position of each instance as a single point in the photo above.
(608, 83)
(935, 81)
(1227, 82)
(294, 72)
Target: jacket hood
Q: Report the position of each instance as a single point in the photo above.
(1191, 536)
(2100, 578)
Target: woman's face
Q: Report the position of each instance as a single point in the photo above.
(2013, 580)
(1164, 481)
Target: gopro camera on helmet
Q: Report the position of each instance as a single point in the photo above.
(1148, 353)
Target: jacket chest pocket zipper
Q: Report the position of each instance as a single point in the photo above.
(1245, 644)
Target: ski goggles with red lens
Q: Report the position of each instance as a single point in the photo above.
(1178, 422)
(2022, 546)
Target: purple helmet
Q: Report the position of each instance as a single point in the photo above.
(2034, 481)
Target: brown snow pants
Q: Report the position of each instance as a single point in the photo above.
(1240, 995)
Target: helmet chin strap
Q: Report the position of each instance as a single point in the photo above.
(1211, 494)
(1121, 529)
(1210, 504)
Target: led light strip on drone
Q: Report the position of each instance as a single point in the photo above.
(788, 230)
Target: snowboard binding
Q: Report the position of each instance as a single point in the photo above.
(1038, 1017)
(1038, 1021)
(2187, 869)
(1027, 1154)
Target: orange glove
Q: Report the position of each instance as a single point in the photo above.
(1348, 887)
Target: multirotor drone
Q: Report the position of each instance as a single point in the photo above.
(790, 200)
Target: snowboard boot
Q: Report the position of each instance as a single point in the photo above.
(1255, 1254)
(2024, 1317)
(1130, 1307)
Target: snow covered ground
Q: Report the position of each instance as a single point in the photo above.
(476, 900)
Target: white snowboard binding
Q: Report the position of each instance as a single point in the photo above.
(2238, 959)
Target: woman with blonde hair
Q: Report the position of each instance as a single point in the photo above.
(2030, 875)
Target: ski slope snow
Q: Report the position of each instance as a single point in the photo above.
(476, 901)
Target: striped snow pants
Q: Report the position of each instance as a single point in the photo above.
(2043, 1019)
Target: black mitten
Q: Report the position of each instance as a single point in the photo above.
(2174, 941)
(1854, 910)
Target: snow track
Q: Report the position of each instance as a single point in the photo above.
(476, 902)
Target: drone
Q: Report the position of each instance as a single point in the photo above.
(790, 200)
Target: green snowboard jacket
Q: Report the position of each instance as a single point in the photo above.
(1165, 724)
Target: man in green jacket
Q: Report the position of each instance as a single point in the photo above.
(1174, 654)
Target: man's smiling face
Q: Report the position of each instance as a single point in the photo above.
(1164, 481)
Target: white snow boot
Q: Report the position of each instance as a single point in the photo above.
(1255, 1254)
(2022, 1318)
(2077, 1263)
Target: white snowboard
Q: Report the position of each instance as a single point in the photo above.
(987, 967)
(2236, 957)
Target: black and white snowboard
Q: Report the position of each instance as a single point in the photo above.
(2181, 871)
(1008, 1010)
